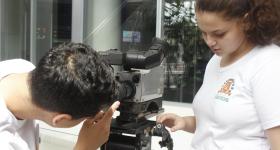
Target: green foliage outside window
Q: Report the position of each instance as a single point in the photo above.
(186, 47)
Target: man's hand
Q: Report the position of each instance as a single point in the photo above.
(95, 132)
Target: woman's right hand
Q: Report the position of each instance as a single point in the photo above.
(173, 121)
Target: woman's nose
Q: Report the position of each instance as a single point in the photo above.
(210, 41)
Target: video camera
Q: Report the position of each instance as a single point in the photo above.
(140, 93)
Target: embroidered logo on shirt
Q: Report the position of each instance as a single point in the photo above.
(226, 90)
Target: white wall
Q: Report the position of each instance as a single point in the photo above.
(64, 139)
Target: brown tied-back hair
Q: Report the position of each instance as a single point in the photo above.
(261, 17)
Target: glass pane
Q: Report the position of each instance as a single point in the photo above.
(120, 24)
(188, 55)
(14, 27)
(29, 28)
(131, 24)
(62, 20)
(138, 21)
(51, 22)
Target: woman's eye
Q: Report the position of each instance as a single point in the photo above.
(219, 34)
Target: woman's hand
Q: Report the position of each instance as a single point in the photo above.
(96, 131)
(175, 122)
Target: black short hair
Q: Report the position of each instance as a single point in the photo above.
(73, 79)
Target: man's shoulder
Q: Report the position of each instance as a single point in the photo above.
(15, 66)
(16, 62)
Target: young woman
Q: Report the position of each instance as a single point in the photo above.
(238, 105)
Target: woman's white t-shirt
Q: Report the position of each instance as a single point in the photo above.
(16, 134)
(237, 103)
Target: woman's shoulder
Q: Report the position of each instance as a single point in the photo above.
(266, 57)
(271, 50)
(265, 54)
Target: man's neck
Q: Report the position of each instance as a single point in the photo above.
(15, 92)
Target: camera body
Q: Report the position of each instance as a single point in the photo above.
(144, 93)
(141, 79)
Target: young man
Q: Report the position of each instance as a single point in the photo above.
(70, 84)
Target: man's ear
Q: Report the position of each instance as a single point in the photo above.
(60, 118)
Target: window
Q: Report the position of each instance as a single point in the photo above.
(30, 28)
(50, 25)
(188, 55)
(120, 24)
(131, 24)
(14, 29)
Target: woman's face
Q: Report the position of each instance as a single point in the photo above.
(224, 37)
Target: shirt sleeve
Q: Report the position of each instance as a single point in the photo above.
(9, 142)
(9, 138)
(266, 93)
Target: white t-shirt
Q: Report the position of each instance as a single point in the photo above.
(237, 103)
(16, 134)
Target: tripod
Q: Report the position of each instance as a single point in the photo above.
(136, 135)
